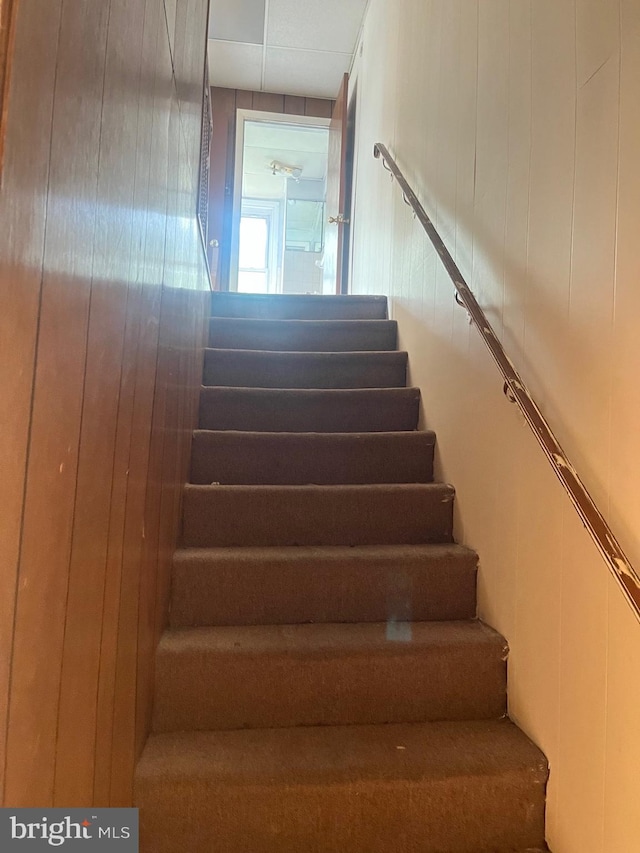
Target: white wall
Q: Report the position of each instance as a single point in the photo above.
(518, 124)
(301, 273)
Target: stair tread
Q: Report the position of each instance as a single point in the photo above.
(401, 436)
(322, 355)
(343, 754)
(267, 395)
(304, 553)
(353, 488)
(331, 638)
(293, 323)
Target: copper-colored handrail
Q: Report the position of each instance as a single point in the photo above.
(516, 391)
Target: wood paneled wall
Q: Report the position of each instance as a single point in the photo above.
(7, 31)
(103, 295)
(224, 103)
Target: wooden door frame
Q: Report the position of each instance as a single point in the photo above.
(241, 116)
(347, 248)
(337, 191)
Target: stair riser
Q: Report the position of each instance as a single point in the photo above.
(487, 814)
(302, 336)
(220, 516)
(263, 591)
(464, 787)
(205, 690)
(390, 410)
(284, 459)
(247, 369)
(299, 307)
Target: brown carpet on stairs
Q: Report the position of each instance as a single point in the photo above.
(474, 787)
(297, 307)
(310, 410)
(284, 586)
(324, 686)
(267, 369)
(235, 678)
(302, 335)
(251, 458)
(407, 514)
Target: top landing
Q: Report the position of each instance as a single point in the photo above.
(298, 306)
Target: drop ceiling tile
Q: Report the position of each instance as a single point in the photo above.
(330, 25)
(235, 66)
(312, 74)
(237, 20)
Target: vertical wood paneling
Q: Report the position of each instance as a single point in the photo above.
(318, 107)
(125, 509)
(519, 159)
(21, 246)
(243, 100)
(107, 344)
(8, 13)
(268, 102)
(625, 460)
(102, 389)
(294, 105)
(592, 283)
(151, 446)
(169, 9)
(491, 154)
(553, 58)
(57, 407)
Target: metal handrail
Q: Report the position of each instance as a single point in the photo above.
(517, 392)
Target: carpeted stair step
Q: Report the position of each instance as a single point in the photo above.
(302, 335)
(298, 306)
(265, 369)
(407, 672)
(304, 410)
(287, 585)
(300, 458)
(461, 787)
(411, 514)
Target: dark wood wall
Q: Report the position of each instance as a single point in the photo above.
(103, 290)
(7, 30)
(224, 103)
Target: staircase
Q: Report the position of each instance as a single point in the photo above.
(324, 686)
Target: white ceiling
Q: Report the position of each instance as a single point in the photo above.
(302, 147)
(292, 47)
